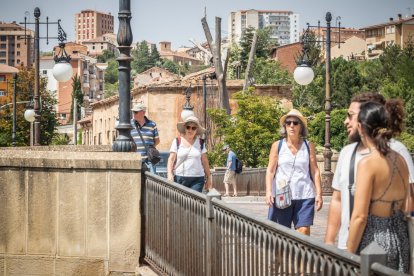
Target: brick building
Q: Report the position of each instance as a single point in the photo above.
(90, 24)
(13, 50)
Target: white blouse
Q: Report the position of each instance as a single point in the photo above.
(294, 171)
(188, 161)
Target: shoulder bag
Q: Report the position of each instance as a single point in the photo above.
(153, 154)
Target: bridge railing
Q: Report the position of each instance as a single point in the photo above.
(189, 233)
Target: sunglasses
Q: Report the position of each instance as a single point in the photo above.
(288, 123)
(191, 127)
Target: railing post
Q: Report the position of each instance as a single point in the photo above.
(373, 253)
(211, 233)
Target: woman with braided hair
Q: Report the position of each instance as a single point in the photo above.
(381, 186)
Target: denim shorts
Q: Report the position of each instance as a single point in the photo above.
(193, 182)
(301, 213)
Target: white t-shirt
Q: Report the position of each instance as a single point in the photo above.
(340, 181)
(188, 158)
(301, 184)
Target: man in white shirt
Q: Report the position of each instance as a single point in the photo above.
(339, 209)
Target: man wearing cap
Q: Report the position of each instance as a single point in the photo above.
(148, 130)
(230, 175)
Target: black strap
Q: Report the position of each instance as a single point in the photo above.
(140, 135)
(351, 180)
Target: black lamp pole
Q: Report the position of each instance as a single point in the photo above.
(36, 97)
(124, 141)
(327, 174)
(14, 112)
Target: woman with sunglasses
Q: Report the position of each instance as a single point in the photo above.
(188, 162)
(292, 167)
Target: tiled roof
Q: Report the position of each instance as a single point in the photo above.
(396, 22)
(8, 69)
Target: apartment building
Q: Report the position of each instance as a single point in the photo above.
(96, 46)
(90, 24)
(378, 37)
(13, 49)
(284, 24)
(6, 81)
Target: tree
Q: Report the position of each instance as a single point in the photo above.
(142, 58)
(171, 66)
(270, 72)
(48, 121)
(78, 95)
(106, 56)
(111, 72)
(252, 130)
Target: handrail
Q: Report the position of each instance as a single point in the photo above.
(189, 233)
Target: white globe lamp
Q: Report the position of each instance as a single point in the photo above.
(29, 115)
(62, 71)
(303, 74)
(186, 113)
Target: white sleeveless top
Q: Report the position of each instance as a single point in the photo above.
(300, 182)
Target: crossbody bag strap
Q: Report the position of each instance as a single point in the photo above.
(140, 135)
(351, 180)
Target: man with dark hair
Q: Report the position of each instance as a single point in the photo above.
(340, 208)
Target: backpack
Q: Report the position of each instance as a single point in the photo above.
(239, 165)
(307, 147)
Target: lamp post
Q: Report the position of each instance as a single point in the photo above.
(187, 107)
(14, 111)
(124, 141)
(61, 72)
(304, 75)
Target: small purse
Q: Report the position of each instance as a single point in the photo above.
(283, 198)
(153, 154)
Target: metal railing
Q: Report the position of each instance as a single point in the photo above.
(189, 233)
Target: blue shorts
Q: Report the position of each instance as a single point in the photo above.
(301, 213)
(193, 182)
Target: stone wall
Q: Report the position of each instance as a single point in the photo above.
(69, 211)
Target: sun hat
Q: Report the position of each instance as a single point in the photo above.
(138, 107)
(191, 119)
(294, 113)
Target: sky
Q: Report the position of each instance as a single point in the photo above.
(180, 20)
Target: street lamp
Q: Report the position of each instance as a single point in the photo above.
(29, 115)
(124, 141)
(304, 75)
(62, 72)
(187, 107)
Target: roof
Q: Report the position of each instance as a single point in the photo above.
(396, 22)
(8, 69)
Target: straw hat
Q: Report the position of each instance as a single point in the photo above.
(138, 107)
(294, 113)
(191, 119)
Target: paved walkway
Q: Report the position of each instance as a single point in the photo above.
(256, 206)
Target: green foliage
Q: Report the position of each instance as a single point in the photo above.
(270, 72)
(408, 140)
(111, 89)
(171, 66)
(111, 72)
(339, 137)
(252, 130)
(106, 56)
(144, 59)
(60, 139)
(78, 94)
(24, 92)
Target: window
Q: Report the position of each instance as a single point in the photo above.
(18, 45)
(2, 78)
(44, 72)
(2, 93)
(3, 38)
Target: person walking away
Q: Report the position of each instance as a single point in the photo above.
(381, 187)
(188, 162)
(292, 165)
(340, 207)
(148, 130)
(230, 175)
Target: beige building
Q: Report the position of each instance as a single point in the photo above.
(179, 57)
(353, 48)
(154, 75)
(164, 104)
(15, 50)
(96, 46)
(378, 37)
(90, 24)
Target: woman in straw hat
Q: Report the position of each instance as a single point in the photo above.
(188, 162)
(293, 170)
